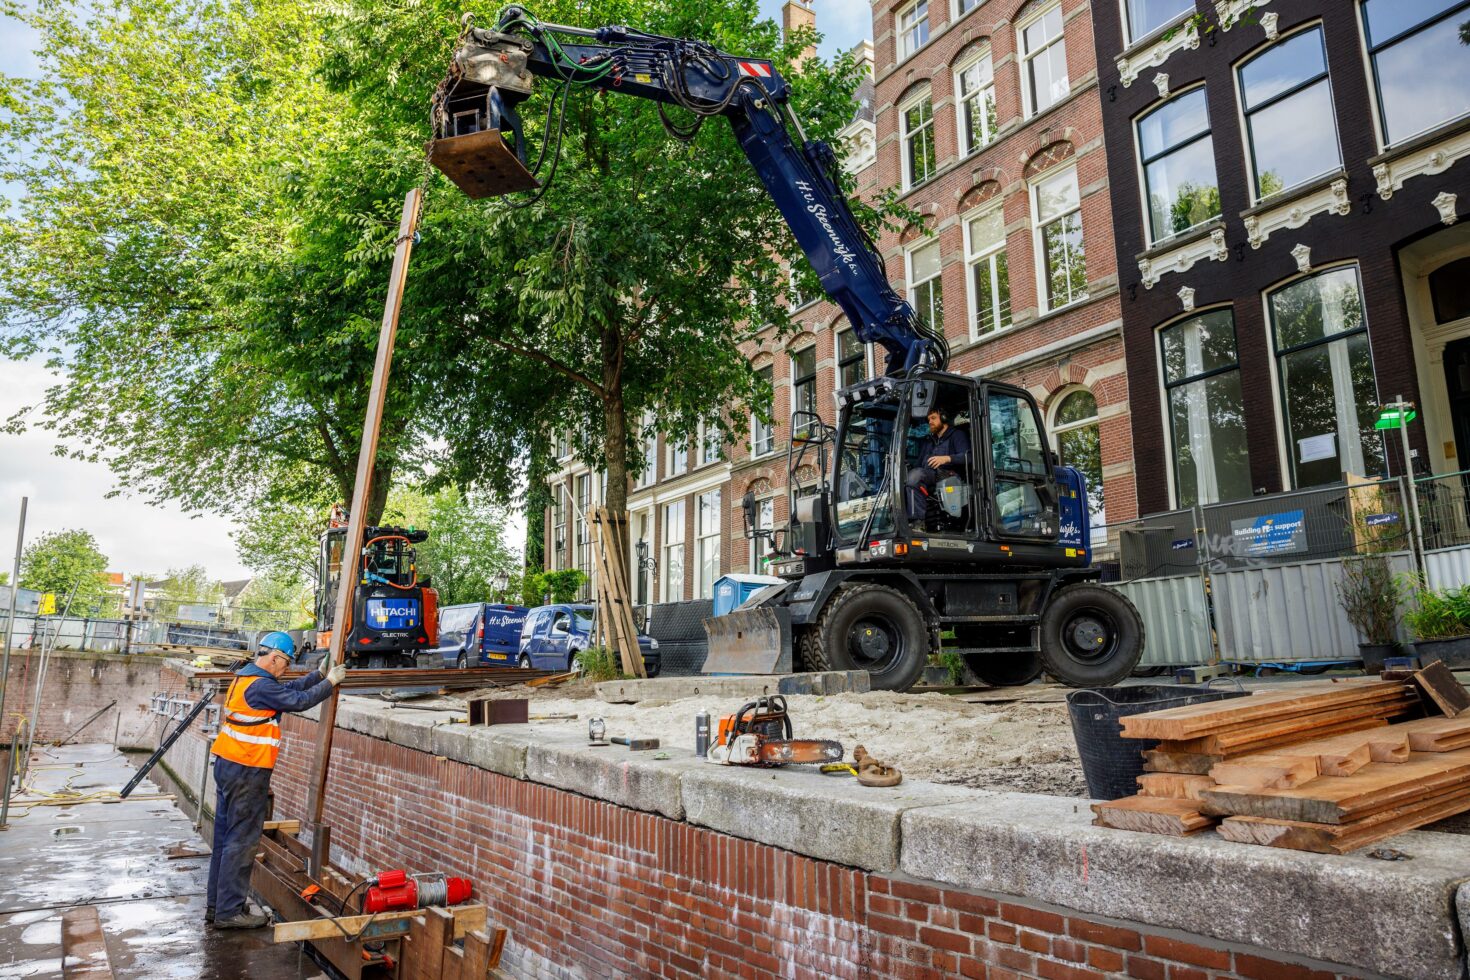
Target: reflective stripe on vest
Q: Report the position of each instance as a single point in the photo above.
(247, 735)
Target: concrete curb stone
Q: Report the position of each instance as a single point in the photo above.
(726, 686)
(1392, 917)
(613, 773)
(500, 749)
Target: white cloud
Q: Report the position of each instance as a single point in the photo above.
(68, 493)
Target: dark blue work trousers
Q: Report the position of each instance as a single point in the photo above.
(241, 804)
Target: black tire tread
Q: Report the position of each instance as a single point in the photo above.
(1059, 672)
(813, 649)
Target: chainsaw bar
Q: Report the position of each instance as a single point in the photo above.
(788, 751)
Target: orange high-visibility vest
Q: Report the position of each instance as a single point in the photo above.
(247, 735)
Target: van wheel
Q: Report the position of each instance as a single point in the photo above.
(524, 663)
(1091, 636)
(462, 662)
(873, 628)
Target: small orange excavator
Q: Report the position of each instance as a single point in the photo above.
(394, 618)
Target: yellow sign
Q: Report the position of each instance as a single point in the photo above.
(48, 604)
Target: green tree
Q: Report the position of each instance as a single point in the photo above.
(58, 561)
(262, 602)
(466, 547)
(614, 306)
(186, 587)
(280, 539)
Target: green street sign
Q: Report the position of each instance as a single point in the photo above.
(1393, 418)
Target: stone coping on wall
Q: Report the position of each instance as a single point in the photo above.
(1394, 918)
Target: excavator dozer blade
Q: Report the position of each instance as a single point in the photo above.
(481, 165)
(749, 641)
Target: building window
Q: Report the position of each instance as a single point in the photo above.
(1058, 207)
(1044, 80)
(710, 442)
(917, 120)
(643, 537)
(563, 445)
(765, 519)
(1419, 64)
(985, 255)
(1449, 288)
(804, 388)
(649, 472)
(803, 285)
(975, 84)
(678, 457)
(763, 434)
(583, 531)
(1328, 391)
(852, 358)
(1079, 444)
(926, 290)
(913, 28)
(673, 584)
(559, 527)
(1142, 17)
(1178, 158)
(1289, 120)
(963, 7)
(1206, 411)
(707, 542)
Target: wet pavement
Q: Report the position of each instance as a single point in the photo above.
(114, 856)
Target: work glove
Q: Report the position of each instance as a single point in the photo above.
(336, 674)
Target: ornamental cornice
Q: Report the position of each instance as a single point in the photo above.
(1261, 222)
(1153, 264)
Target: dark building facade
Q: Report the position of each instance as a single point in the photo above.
(1284, 181)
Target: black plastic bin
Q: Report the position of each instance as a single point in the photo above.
(1111, 763)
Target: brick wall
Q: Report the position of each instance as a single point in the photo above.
(77, 684)
(588, 888)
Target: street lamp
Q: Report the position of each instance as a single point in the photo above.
(499, 584)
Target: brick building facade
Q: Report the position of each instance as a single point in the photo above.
(990, 130)
(1285, 181)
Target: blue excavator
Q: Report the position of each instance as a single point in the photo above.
(885, 556)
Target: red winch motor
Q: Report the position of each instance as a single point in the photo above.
(392, 891)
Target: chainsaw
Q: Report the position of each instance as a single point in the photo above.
(759, 734)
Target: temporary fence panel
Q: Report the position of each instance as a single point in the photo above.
(1285, 613)
(1448, 568)
(1176, 620)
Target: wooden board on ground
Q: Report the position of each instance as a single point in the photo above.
(466, 918)
(1342, 838)
(183, 849)
(1173, 785)
(1268, 771)
(1372, 789)
(1029, 693)
(1175, 818)
(1213, 717)
(1441, 688)
(1294, 727)
(551, 679)
(1437, 734)
(83, 947)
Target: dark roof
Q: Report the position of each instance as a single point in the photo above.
(232, 589)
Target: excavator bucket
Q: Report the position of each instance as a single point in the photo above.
(749, 641)
(482, 165)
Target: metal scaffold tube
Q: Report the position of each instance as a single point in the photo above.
(20, 537)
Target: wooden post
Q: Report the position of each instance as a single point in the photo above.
(362, 490)
(615, 605)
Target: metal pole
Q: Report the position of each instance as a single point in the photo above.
(46, 652)
(203, 785)
(20, 537)
(1416, 539)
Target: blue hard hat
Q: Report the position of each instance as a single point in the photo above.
(277, 641)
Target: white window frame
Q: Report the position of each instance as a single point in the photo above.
(867, 356)
(1024, 57)
(901, 31)
(1375, 88)
(960, 101)
(761, 504)
(649, 474)
(1043, 284)
(1099, 529)
(1130, 39)
(816, 372)
(703, 434)
(973, 258)
(910, 286)
(707, 543)
(955, 13)
(1166, 388)
(904, 134)
(1248, 142)
(667, 591)
(559, 537)
(642, 583)
(757, 426)
(1142, 164)
(672, 450)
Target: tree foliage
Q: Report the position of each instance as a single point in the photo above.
(62, 560)
(466, 546)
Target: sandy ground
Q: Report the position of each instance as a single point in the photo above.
(1026, 747)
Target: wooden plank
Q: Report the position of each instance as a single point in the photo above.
(1437, 734)
(1293, 728)
(551, 679)
(1440, 688)
(464, 919)
(1173, 785)
(476, 964)
(83, 947)
(1342, 838)
(284, 826)
(1174, 818)
(497, 947)
(1268, 771)
(1375, 787)
(1194, 720)
(1194, 763)
(316, 787)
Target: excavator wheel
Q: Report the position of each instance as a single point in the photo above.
(1004, 669)
(873, 628)
(1091, 636)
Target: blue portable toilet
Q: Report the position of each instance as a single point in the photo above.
(731, 590)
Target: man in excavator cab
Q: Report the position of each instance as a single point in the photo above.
(944, 452)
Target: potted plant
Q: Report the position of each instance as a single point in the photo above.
(1371, 594)
(1440, 621)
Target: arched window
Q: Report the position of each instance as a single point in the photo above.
(1079, 443)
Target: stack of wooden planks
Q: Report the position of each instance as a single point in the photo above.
(1325, 767)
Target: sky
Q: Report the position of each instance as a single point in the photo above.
(139, 537)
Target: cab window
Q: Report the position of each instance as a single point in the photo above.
(1023, 498)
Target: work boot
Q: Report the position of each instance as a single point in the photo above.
(242, 920)
(209, 915)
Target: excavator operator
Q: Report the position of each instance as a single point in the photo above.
(245, 753)
(945, 450)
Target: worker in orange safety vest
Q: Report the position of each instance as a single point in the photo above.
(245, 752)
